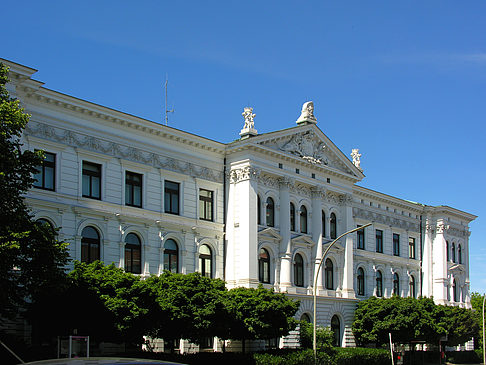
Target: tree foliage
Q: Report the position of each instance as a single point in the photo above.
(112, 305)
(31, 258)
(259, 313)
(410, 319)
(191, 306)
(477, 305)
(104, 302)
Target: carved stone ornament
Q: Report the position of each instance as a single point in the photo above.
(99, 145)
(244, 173)
(308, 147)
(356, 158)
(307, 114)
(249, 127)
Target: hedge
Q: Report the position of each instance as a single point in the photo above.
(362, 356)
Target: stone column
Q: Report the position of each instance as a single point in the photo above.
(429, 230)
(348, 287)
(317, 234)
(285, 246)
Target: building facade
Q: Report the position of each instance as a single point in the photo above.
(259, 210)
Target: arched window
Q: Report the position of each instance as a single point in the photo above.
(453, 252)
(133, 254)
(171, 256)
(303, 219)
(412, 287)
(205, 259)
(361, 281)
(323, 217)
(292, 217)
(455, 291)
(45, 222)
(459, 254)
(379, 284)
(336, 329)
(270, 213)
(329, 275)
(259, 210)
(396, 284)
(447, 250)
(298, 270)
(90, 245)
(333, 226)
(306, 318)
(264, 266)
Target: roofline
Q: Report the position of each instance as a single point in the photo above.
(27, 72)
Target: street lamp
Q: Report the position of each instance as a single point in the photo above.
(315, 282)
(484, 337)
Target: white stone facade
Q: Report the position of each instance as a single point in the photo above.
(236, 200)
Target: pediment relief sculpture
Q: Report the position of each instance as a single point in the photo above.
(308, 147)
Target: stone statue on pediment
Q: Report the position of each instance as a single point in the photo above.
(356, 158)
(249, 127)
(307, 114)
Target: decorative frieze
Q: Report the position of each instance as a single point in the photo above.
(385, 219)
(96, 144)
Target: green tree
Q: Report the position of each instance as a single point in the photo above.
(32, 260)
(104, 302)
(405, 318)
(191, 306)
(324, 337)
(477, 305)
(259, 314)
(410, 319)
(458, 323)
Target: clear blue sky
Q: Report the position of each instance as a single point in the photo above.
(403, 81)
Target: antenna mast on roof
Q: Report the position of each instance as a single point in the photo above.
(167, 110)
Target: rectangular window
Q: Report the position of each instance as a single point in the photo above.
(133, 189)
(379, 241)
(171, 197)
(91, 180)
(361, 239)
(46, 173)
(411, 247)
(396, 244)
(205, 204)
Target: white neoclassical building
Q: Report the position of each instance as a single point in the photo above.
(259, 210)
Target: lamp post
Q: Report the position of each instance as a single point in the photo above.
(315, 282)
(484, 337)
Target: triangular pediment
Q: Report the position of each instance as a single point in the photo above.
(269, 234)
(309, 145)
(302, 240)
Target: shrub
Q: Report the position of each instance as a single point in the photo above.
(362, 356)
(324, 337)
(300, 357)
(464, 357)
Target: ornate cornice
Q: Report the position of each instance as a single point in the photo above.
(385, 219)
(75, 139)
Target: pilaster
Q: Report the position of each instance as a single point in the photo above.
(285, 246)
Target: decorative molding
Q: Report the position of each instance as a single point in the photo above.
(385, 219)
(117, 150)
(286, 182)
(268, 180)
